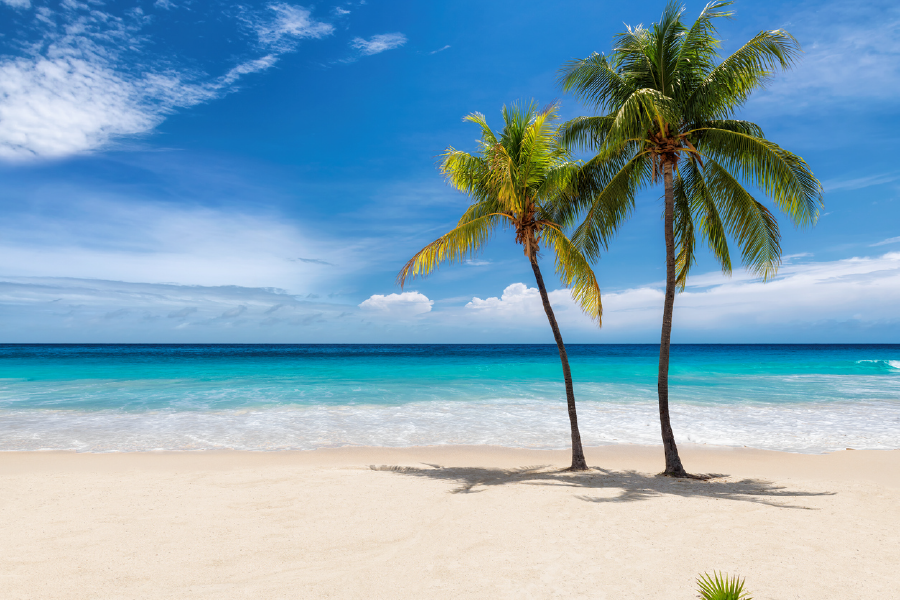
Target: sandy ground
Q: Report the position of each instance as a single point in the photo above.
(446, 522)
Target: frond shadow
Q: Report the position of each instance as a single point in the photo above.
(628, 486)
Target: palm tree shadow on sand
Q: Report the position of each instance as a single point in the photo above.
(626, 486)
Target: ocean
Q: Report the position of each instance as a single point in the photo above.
(109, 398)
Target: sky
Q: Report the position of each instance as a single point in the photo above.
(187, 171)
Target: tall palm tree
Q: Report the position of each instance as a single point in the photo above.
(520, 178)
(667, 106)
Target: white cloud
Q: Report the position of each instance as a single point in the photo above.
(163, 243)
(252, 66)
(517, 300)
(68, 309)
(17, 3)
(851, 53)
(405, 304)
(854, 292)
(341, 11)
(859, 183)
(379, 43)
(91, 82)
(440, 49)
(289, 24)
(892, 240)
(59, 106)
(164, 4)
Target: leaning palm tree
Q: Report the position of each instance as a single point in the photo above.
(667, 109)
(520, 178)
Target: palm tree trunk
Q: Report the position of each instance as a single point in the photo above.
(673, 462)
(578, 461)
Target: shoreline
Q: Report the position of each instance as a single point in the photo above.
(881, 466)
(445, 521)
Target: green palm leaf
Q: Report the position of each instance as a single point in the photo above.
(721, 587)
(575, 272)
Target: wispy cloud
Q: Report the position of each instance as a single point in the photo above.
(138, 241)
(17, 3)
(440, 49)
(67, 309)
(314, 261)
(288, 25)
(378, 43)
(859, 183)
(92, 81)
(893, 240)
(851, 54)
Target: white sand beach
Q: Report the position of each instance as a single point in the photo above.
(446, 522)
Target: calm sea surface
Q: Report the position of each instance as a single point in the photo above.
(100, 398)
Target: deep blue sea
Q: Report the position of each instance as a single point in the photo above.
(100, 398)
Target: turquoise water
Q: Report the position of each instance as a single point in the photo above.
(145, 397)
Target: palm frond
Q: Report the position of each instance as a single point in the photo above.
(457, 245)
(730, 83)
(685, 240)
(595, 81)
(644, 111)
(749, 222)
(699, 47)
(575, 273)
(781, 175)
(480, 209)
(606, 190)
(721, 587)
(704, 209)
(588, 133)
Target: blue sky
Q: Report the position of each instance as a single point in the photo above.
(194, 171)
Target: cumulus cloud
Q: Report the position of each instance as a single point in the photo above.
(378, 43)
(91, 81)
(405, 304)
(851, 293)
(517, 300)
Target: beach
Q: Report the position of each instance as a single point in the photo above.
(446, 522)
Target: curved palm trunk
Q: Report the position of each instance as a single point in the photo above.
(673, 462)
(578, 461)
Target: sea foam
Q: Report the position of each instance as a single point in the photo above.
(810, 428)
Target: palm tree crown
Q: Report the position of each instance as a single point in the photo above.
(521, 177)
(666, 98)
(667, 109)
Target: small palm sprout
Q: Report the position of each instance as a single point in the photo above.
(721, 587)
(667, 109)
(521, 178)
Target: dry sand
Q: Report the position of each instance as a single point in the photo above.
(446, 522)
